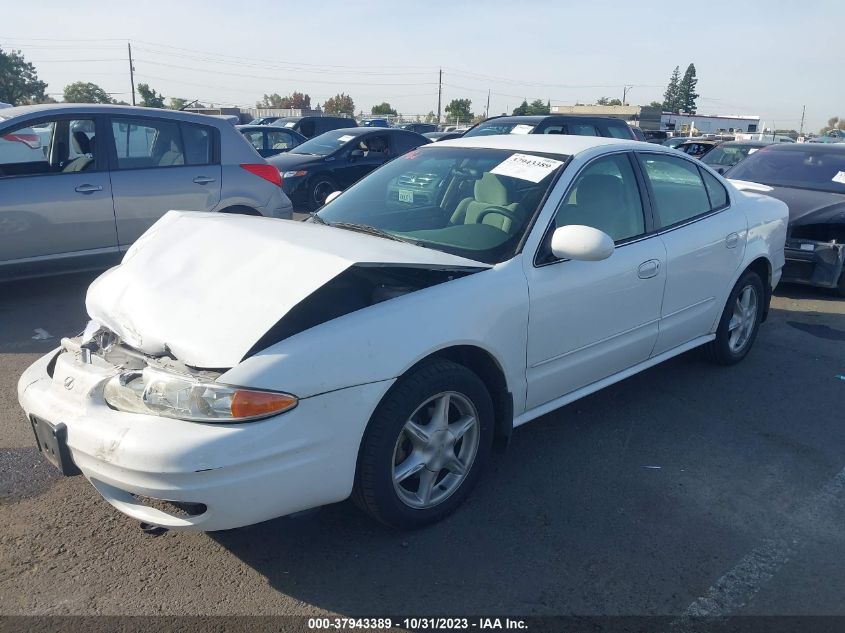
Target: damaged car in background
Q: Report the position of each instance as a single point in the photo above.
(238, 369)
(810, 179)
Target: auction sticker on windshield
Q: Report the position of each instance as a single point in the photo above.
(345, 138)
(522, 129)
(839, 177)
(526, 167)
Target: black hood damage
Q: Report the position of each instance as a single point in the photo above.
(359, 286)
(813, 215)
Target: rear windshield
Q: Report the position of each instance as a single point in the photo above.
(494, 127)
(325, 144)
(807, 169)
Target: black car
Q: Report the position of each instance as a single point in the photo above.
(655, 136)
(334, 160)
(726, 155)
(810, 179)
(554, 124)
(697, 149)
(419, 128)
(311, 126)
(442, 136)
(269, 140)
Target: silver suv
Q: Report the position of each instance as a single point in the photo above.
(79, 183)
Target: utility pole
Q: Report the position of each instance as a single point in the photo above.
(439, 94)
(131, 72)
(487, 109)
(803, 111)
(625, 90)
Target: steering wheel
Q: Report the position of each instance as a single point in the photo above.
(498, 211)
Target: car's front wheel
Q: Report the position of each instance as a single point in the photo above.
(740, 321)
(318, 190)
(425, 446)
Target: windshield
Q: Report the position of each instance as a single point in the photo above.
(809, 169)
(476, 203)
(500, 126)
(325, 144)
(726, 156)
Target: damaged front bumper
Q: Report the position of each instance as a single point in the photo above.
(191, 476)
(814, 263)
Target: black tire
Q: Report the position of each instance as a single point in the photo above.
(318, 188)
(241, 210)
(720, 350)
(374, 490)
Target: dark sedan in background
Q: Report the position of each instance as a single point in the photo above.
(334, 160)
(726, 155)
(696, 148)
(269, 140)
(554, 124)
(810, 179)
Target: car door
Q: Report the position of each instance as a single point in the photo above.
(705, 243)
(158, 165)
(589, 320)
(367, 153)
(55, 195)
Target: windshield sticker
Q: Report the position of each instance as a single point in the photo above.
(345, 138)
(839, 177)
(290, 123)
(752, 150)
(526, 167)
(406, 195)
(522, 129)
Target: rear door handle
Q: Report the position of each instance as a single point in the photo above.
(88, 188)
(732, 240)
(203, 180)
(648, 269)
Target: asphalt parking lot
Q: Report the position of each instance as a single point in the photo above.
(688, 488)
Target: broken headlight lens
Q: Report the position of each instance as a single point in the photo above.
(156, 392)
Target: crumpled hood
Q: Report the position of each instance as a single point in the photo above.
(811, 207)
(205, 287)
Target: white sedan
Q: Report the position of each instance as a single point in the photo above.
(240, 368)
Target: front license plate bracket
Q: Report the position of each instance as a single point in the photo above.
(52, 442)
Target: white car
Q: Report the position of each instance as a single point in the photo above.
(238, 369)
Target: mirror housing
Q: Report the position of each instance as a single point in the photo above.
(585, 243)
(331, 196)
(356, 153)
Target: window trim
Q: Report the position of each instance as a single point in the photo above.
(113, 164)
(648, 219)
(101, 162)
(650, 191)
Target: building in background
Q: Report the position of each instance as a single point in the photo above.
(649, 118)
(646, 117)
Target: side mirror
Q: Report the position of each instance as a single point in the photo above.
(356, 153)
(577, 241)
(331, 196)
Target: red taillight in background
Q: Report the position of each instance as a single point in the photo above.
(30, 140)
(267, 172)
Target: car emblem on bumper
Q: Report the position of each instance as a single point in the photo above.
(69, 383)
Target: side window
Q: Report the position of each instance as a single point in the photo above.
(555, 129)
(718, 195)
(279, 139)
(376, 146)
(583, 129)
(256, 139)
(198, 146)
(403, 143)
(49, 147)
(679, 193)
(618, 132)
(307, 128)
(144, 143)
(605, 196)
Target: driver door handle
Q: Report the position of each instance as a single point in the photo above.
(203, 180)
(648, 269)
(88, 188)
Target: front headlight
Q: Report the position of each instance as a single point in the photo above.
(294, 174)
(157, 392)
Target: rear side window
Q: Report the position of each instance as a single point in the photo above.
(583, 129)
(618, 132)
(197, 140)
(307, 128)
(718, 195)
(678, 191)
(144, 143)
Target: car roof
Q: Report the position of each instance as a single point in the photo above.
(549, 143)
(749, 143)
(537, 118)
(819, 148)
(87, 108)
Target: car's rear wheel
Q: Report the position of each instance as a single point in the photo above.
(318, 190)
(425, 446)
(740, 321)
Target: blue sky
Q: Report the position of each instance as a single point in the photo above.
(752, 57)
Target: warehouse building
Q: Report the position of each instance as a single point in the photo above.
(649, 118)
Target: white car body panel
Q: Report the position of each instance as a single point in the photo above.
(207, 287)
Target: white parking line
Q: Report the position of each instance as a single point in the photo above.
(739, 585)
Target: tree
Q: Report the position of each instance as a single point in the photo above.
(383, 108)
(670, 97)
(431, 117)
(605, 101)
(458, 109)
(656, 104)
(19, 83)
(521, 109)
(538, 107)
(149, 97)
(297, 100)
(85, 92)
(833, 123)
(686, 91)
(339, 104)
(177, 103)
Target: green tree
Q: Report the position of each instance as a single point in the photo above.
(431, 117)
(177, 103)
(670, 97)
(340, 104)
(686, 91)
(606, 101)
(85, 92)
(458, 110)
(149, 97)
(383, 109)
(656, 104)
(19, 83)
(538, 107)
(521, 109)
(297, 100)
